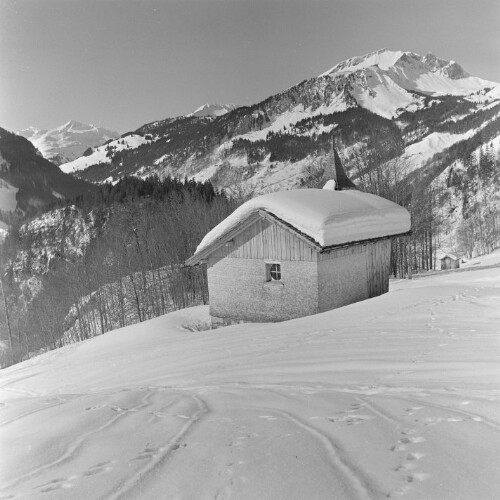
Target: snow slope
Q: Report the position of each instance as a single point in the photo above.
(418, 153)
(394, 397)
(101, 154)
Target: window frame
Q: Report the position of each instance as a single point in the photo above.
(272, 271)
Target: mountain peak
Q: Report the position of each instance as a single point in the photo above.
(213, 109)
(75, 125)
(383, 58)
(387, 60)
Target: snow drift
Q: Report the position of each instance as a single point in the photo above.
(393, 397)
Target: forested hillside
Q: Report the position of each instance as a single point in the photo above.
(112, 258)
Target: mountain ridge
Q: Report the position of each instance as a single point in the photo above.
(379, 107)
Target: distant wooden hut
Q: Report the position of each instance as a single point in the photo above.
(294, 253)
(450, 261)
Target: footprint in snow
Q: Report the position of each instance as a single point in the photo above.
(412, 440)
(437, 420)
(148, 453)
(410, 411)
(418, 476)
(56, 484)
(408, 432)
(399, 492)
(99, 468)
(97, 407)
(398, 447)
(177, 446)
(239, 440)
(356, 406)
(405, 467)
(351, 419)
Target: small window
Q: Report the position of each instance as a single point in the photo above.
(273, 272)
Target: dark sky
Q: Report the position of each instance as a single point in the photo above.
(123, 63)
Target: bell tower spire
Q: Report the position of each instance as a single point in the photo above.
(343, 181)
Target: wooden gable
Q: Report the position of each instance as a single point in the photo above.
(265, 239)
(262, 236)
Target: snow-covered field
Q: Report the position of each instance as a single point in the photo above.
(394, 397)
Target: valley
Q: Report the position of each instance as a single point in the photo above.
(415, 129)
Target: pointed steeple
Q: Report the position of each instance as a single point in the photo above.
(343, 182)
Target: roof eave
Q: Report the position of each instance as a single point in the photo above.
(329, 248)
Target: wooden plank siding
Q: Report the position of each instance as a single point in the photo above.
(378, 267)
(377, 263)
(266, 240)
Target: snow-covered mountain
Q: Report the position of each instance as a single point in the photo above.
(67, 142)
(30, 132)
(404, 72)
(213, 110)
(381, 106)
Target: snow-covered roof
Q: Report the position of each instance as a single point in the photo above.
(326, 217)
(450, 255)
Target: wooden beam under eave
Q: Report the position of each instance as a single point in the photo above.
(330, 248)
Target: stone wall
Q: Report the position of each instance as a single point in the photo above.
(238, 289)
(343, 279)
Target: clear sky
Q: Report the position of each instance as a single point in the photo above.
(123, 63)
